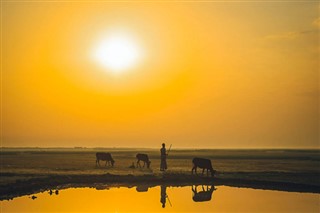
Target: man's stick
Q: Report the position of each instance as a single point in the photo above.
(169, 200)
(169, 149)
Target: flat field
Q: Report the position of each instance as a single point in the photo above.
(294, 166)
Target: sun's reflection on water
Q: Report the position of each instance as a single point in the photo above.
(172, 199)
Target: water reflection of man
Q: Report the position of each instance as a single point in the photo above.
(163, 196)
(163, 163)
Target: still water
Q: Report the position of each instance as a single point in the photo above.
(165, 199)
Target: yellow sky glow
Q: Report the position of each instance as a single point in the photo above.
(211, 74)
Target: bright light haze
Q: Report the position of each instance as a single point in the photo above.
(206, 74)
(117, 53)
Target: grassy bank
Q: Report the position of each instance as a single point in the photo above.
(26, 170)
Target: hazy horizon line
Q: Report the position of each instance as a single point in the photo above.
(179, 148)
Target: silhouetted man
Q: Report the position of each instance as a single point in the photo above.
(163, 164)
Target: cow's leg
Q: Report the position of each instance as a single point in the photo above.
(144, 163)
(207, 172)
(138, 164)
(194, 168)
(97, 162)
(202, 171)
(194, 189)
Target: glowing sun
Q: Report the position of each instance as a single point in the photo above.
(117, 53)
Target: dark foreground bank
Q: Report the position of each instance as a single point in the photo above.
(40, 184)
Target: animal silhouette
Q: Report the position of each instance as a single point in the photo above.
(104, 156)
(204, 195)
(142, 188)
(203, 164)
(144, 158)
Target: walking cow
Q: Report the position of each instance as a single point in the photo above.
(104, 156)
(203, 164)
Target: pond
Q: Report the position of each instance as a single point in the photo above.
(164, 199)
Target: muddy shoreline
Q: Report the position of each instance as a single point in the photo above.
(43, 183)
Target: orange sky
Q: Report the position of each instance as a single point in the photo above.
(217, 75)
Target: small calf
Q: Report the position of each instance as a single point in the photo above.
(144, 158)
(203, 164)
(104, 157)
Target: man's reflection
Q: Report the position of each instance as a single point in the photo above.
(204, 195)
(164, 195)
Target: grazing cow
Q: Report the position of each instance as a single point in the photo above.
(104, 157)
(204, 195)
(203, 164)
(144, 158)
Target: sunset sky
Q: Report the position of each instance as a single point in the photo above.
(206, 74)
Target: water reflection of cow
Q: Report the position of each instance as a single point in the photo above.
(142, 188)
(144, 158)
(204, 195)
(104, 156)
(203, 164)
